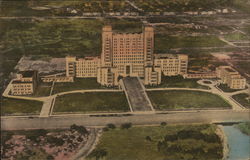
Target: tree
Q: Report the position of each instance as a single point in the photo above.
(80, 129)
(163, 123)
(126, 125)
(148, 138)
(111, 126)
(98, 153)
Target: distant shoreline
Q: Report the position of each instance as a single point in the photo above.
(220, 132)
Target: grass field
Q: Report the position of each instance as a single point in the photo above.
(91, 102)
(20, 107)
(180, 82)
(143, 143)
(236, 37)
(43, 89)
(165, 42)
(180, 99)
(243, 99)
(78, 84)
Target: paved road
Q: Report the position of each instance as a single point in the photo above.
(137, 96)
(139, 119)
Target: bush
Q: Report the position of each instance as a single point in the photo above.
(148, 138)
(79, 139)
(163, 123)
(55, 141)
(105, 129)
(126, 125)
(80, 129)
(111, 126)
(98, 153)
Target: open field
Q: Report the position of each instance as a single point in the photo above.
(165, 42)
(160, 142)
(179, 82)
(243, 99)
(178, 99)
(43, 89)
(91, 102)
(20, 107)
(78, 84)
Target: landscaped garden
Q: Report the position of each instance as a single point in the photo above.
(91, 102)
(20, 107)
(179, 82)
(170, 142)
(243, 99)
(182, 99)
(43, 144)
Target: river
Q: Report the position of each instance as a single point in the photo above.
(239, 143)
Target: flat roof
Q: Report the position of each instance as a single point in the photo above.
(166, 56)
(18, 82)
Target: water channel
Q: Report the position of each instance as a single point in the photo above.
(239, 143)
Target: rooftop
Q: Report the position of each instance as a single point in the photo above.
(166, 56)
(18, 82)
(230, 70)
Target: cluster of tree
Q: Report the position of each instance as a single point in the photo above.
(80, 129)
(55, 141)
(98, 154)
(192, 142)
(34, 135)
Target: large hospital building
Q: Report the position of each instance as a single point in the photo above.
(127, 54)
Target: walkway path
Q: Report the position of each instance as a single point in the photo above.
(47, 106)
(136, 94)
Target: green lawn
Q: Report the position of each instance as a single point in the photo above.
(180, 82)
(243, 99)
(225, 88)
(131, 144)
(236, 37)
(78, 84)
(180, 99)
(91, 102)
(165, 42)
(43, 89)
(20, 107)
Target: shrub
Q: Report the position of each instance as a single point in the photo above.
(126, 125)
(55, 141)
(80, 129)
(148, 138)
(111, 126)
(98, 153)
(163, 123)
